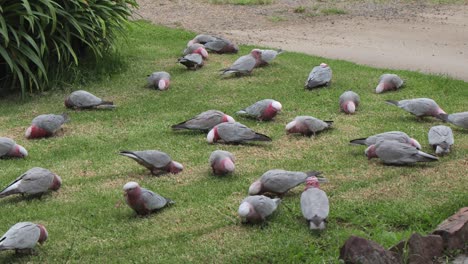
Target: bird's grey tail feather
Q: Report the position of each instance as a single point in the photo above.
(179, 126)
(358, 141)
(329, 122)
(241, 112)
(427, 157)
(261, 137)
(169, 201)
(393, 102)
(280, 51)
(443, 117)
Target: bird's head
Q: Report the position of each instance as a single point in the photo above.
(255, 188)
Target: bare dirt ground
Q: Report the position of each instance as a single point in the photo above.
(392, 34)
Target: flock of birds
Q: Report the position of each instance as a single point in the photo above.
(394, 147)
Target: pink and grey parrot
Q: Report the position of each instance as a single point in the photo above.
(255, 209)
(84, 100)
(314, 204)
(319, 76)
(267, 56)
(23, 237)
(264, 110)
(244, 65)
(307, 126)
(204, 121)
(222, 162)
(156, 161)
(458, 119)
(159, 80)
(45, 125)
(441, 139)
(349, 101)
(193, 61)
(196, 48)
(35, 181)
(399, 136)
(279, 182)
(396, 153)
(234, 133)
(144, 201)
(388, 82)
(419, 107)
(9, 149)
(215, 44)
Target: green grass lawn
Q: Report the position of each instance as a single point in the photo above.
(88, 222)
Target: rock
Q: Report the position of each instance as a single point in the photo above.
(363, 251)
(419, 249)
(454, 230)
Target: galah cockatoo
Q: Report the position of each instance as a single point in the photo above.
(267, 56)
(314, 204)
(35, 181)
(396, 153)
(255, 209)
(458, 119)
(319, 76)
(244, 65)
(45, 125)
(222, 162)
(9, 149)
(388, 82)
(23, 237)
(234, 133)
(419, 107)
(399, 136)
(159, 80)
(192, 61)
(156, 161)
(349, 101)
(196, 48)
(144, 201)
(307, 126)
(215, 44)
(279, 182)
(204, 121)
(84, 100)
(264, 110)
(441, 139)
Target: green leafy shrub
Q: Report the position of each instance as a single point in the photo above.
(38, 39)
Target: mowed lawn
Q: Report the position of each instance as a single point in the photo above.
(89, 222)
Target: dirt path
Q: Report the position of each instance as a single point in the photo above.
(421, 37)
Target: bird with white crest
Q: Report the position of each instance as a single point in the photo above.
(349, 101)
(9, 149)
(159, 80)
(35, 181)
(389, 82)
(144, 201)
(307, 126)
(319, 76)
(395, 153)
(399, 136)
(204, 121)
(263, 110)
(314, 204)
(255, 209)
(157, 162)
(222, 162)
(234, 133)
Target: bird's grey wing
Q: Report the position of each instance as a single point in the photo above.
(155, 158)
(269, 55)
(459, 119)
(152, 201)
(49, 122)
(314, 202)
(440, 134)
(244, 64)
(418, 107)
(263, 205)
(85, 99)
(392, 135)
(216, 45)
(21, 236)
(396, 153)
(36, 180)
(205, 120)
(5, 145)
(315, 124)
(281, 181)
(258, 108)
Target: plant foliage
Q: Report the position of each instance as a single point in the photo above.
(39, 38)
